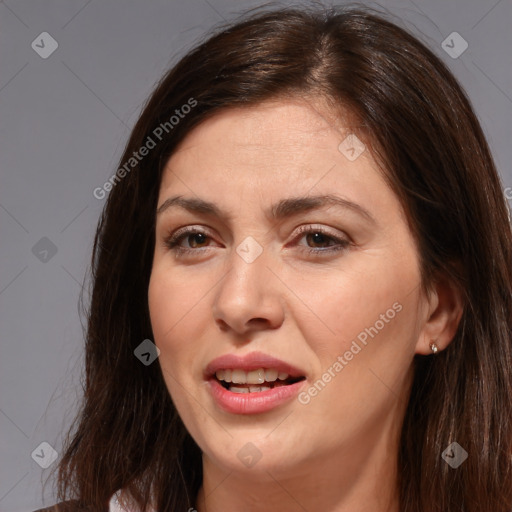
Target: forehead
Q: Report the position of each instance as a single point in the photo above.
(271, 123)
(279, 141)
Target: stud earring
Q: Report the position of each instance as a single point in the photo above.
(434, 348)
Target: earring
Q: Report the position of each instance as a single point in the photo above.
(434, 348)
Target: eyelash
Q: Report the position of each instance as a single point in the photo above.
(172, 241)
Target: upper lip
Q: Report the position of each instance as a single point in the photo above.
(251, 361)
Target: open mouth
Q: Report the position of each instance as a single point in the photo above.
(254, 381)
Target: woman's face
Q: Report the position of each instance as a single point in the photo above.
(283, 259)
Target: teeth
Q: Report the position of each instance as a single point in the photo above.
(258, 376)
(224, 375)
(271, 375)
(234, 389)
(250, 389)
(257, 389)
(239, 377)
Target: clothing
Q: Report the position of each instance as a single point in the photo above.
(115, 506)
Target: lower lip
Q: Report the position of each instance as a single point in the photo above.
(252, 403)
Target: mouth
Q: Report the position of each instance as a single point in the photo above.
(255, 381)
(252, 384)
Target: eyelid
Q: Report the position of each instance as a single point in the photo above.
(307, 228)
(173, 238)
(188, 229)
(341, 241)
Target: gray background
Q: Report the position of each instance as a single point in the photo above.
(64, 122)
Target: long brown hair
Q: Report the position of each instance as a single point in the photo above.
(420, 125)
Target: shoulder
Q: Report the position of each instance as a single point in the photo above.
(66, 506)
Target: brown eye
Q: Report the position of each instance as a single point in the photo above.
(319, 237)
(195, 238)
(198, 238)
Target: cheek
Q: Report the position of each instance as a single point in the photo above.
(174, 310)
(371, 299)
(365, 364)
(175, 306)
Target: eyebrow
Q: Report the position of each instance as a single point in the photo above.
(281, 210)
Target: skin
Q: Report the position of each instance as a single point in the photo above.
(338, 452)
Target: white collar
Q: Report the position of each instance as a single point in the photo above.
(115, 506)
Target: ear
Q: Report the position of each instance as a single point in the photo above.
(444, 311)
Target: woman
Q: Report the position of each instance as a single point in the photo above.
(302, 285)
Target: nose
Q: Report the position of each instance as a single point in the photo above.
(249, 296)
